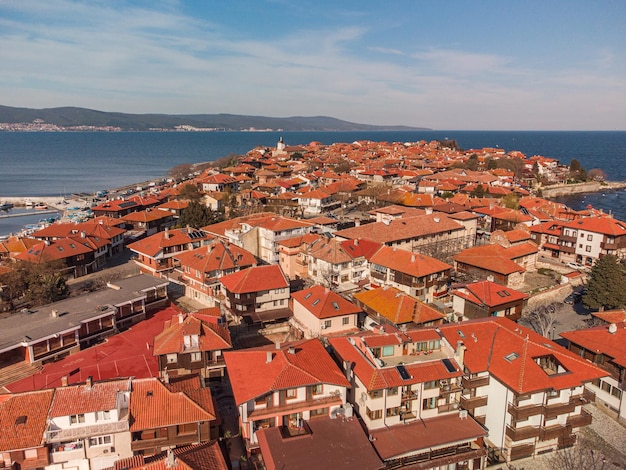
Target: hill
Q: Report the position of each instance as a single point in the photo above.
(73, 117)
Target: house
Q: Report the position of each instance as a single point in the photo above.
(76, 256)
(505, 266)
(418, 275)
(340, 444)
(284, 387)
(527, 391)
(404, 387)
(390, 305)
(317, 201)
(206, 455)
(167, 415)
(200, 269)
(191, 345)
(116, 208)
(89, 423)
(148, 222)
(605, 346)
(318, 311)
(428, 233)
(155, 254)
(259, 292)
(486, 299)
(23, 420)
(293, 255)
(50, 332)
(218, 182)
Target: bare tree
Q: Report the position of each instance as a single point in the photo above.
(543, 319)
(582, 455)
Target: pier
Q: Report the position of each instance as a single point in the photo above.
(24, 214)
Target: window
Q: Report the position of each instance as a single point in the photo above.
(589, 237)
(171, 358)
(392, 391)
(328, 323)
(387, 351)
(196, 357)
(317, 389)
(103, 415)
(375, 393)
(588, 248)
(319, 412)
(374, 414)
(430, 385)
(345, 321)
(30, 454)
(606, 387)
(100, 441)
(292, 393)
(616, 392)
(395, 411)
(429, 403)
(187, 428)
(77, 419)
(263, 400)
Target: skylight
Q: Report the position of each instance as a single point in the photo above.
(336, 305)
(308, 295)
(511, 357)
(317, 301)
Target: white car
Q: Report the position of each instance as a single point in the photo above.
(576, 266)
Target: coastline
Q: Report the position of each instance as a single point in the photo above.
(559, 190)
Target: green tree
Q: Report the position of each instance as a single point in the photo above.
(36, 283)
(492, 164)
(197, 215)
(447, 195)
(607, 285)
(472, 162)
(511, 201)
(576, 171)
(190, 192)
(478, 191)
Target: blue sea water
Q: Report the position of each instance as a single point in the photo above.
(59, 163)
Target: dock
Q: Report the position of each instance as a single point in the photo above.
(24, 214)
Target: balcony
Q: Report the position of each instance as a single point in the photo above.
(446, 389)
(567, 441)
(472, 403)
(583, 419)
(554, 432)
(297, 406)
(567, 249)
(438, 458)
(475, 382)
(519, 452)
(589, 396)
(552, 411)
(448, 407)
(518, 434)
(568, 238)
(521, 413)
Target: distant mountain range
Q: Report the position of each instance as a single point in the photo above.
(71, 117)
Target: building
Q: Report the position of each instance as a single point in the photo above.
(259, 292)
(318, 311)
(486, 299)
(405, 388)
(284, 387)
(528, 391)
(89, 424)
(605, 346)
(192, 344)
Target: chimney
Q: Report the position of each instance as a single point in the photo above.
(83, 234)
(292, 350)
(166, 234)
(429, 210)
(54, 313)
(64, 381)
(269, 356)
(181, 317)
(277, 344)
(356, 242)
(413, 258)
(89, 383)
(47, 242)
(436, 220)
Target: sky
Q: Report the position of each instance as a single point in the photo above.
(440, 64)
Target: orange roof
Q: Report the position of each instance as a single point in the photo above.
(496, 258)
(217, 256)
(255, 279)
(86, 398)
(599, 339)
(324, 303)
(58, 249)
(154, 244)
(146, 216)
(153, 405)
(490, 294)
(397, 307)
(511, 352)
(23, 419)
(603, 225)
(211, 337)
(257, 371)
(414, 264)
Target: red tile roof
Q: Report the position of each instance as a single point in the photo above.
(490, 294)
(324, 303)
(155, 244)
(414, 264)
(253, 376)
(255, 279)
(509, 352)
(599, 339)
(212, 337)
(216, 256)
(153, 405)
(23, 419)
(77, 399)
(397, 307)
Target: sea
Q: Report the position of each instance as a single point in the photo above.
(63, 163)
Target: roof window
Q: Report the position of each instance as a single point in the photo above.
(511, 357)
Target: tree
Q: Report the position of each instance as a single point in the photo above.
(478, 191)
(544, 318)
(36, 283)
(607, 284)
(472, 162)
(582, 455)
(190, 192)
(197, 215)
(511, 201)
(576, 171)
(596, 174)
(492, 164)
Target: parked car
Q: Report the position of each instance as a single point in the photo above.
(576, 266)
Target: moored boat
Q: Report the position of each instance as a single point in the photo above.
(5, 206)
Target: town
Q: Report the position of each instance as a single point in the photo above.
(364, 305)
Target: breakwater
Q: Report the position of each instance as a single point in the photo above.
(581, 188)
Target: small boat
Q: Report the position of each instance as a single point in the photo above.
(40, 206)
(29, 203)
(5, 206)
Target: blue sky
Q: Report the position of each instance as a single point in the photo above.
(484, 65)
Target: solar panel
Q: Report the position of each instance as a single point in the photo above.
(403, 372)
(449, 365)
